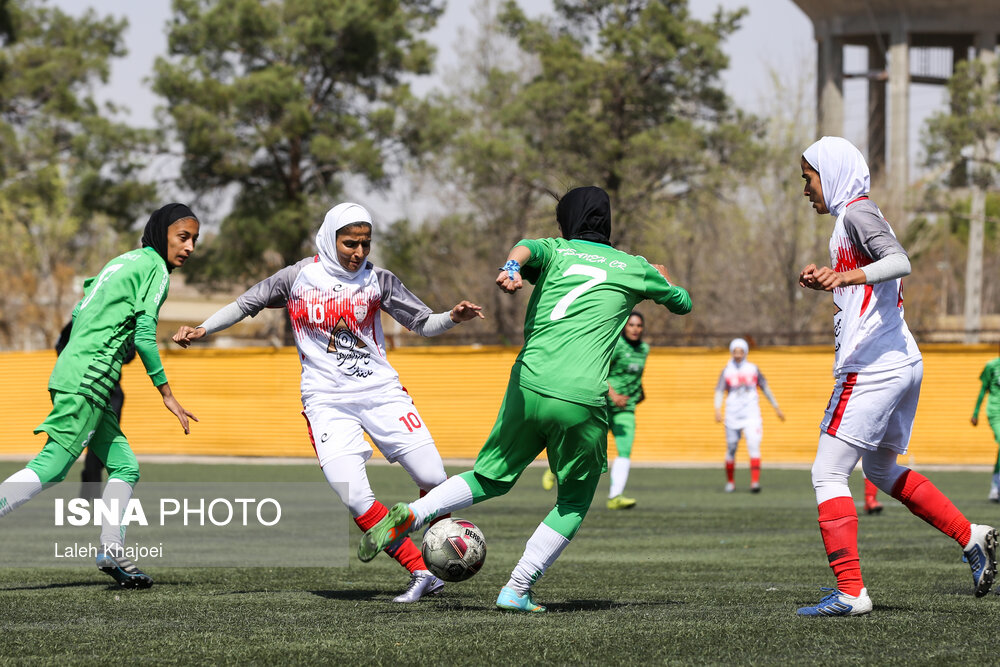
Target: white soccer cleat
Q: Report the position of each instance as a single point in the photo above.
(730, 487)
(422, 583)
(981, 555)
(839, 604)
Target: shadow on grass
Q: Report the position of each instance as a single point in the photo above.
(352, 594)
(603, 605)
(68, 584)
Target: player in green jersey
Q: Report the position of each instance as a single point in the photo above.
(556, 399)
(119, 308)
(990, 379)
(628, 361)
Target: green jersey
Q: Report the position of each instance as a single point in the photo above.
(625, 375)
(584, 293)
(120, 305)
(990, 377)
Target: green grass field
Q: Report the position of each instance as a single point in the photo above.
(690, 576)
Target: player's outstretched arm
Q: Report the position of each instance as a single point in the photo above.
(509, 279)
(465, 311)
(187, 335)
(175, 407)
(221, 319)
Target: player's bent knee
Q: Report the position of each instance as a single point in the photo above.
(127, 473)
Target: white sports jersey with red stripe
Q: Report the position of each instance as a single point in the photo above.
(742, 402)
(869, 329)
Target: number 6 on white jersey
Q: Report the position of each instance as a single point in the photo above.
(596, 276)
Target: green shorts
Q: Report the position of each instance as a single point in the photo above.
(574, 437)
(623, 428)
(77, 421)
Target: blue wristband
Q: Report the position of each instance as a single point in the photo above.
(511, 267)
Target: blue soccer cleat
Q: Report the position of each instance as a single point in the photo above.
(510, 600)
(839, 604)
(981, 555)
(122, 570)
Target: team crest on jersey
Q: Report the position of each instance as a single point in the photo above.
(360, 311)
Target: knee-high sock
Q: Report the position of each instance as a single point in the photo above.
(838, 524)
(926, 501)
(619, 475)
(116, 494)
(730, 470)
(870, 491)
(405, 552)
(754, 471)
(454, 494)
(439, 517)
(18, 489)
(542, 549)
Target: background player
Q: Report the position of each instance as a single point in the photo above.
(556, 399)
(348, 386)
(990, 382)
(625, 391)
(738, 383)
(878, 370)
(119, 308)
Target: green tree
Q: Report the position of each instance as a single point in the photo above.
(69, 174)
(278, 102)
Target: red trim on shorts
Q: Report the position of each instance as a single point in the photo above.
(312, 440)
(845, 395)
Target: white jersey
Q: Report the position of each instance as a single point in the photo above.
(337, 326)
(869, 331)
(740, 382)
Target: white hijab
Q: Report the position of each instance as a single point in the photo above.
(337, 218)
(843, 172)
(739, 343)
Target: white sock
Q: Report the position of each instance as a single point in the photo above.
(18, 489)
(117, 492)
(452, 494)
(996, 481)
(619, 475)
(542, 549)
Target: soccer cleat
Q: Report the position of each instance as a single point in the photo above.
(122, 570)
(510, 600)
(548, 480)
(873, 506)
(755, 487)
(994, 496)
(422, 583)
(981, 555)
(730, 487)
(393, 527)
(620, 502)
(839, 604)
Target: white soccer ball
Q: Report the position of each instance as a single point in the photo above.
(454, 549)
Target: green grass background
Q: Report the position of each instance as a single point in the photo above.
(690, 576)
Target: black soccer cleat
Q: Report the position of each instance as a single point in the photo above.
(122, 570)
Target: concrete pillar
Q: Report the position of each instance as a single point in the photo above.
(830, 83)
(899, 108)
(876, 110)
(985, 47)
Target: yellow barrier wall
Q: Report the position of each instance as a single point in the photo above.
(248, 401)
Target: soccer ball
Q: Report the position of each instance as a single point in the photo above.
(454, 549)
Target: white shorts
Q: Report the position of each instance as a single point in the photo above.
(752, 431)
(872, 410)
(391, 421)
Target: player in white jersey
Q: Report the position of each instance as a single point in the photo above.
(877, 370)
(349, 388)
(738, 384)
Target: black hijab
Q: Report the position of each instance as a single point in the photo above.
(585, 213)
(155, 233)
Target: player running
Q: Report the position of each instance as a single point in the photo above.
(628, 361)
(878, 369)
(119, 308)
(990, 379)
(738, 384)
(349, 388)
(556, 399)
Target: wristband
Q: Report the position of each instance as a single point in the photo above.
(511, 267)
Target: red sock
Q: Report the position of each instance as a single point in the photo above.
(437, 518)
(923, 499)
(870, 491)
(730, 469)
(754, 471)
(838, 524)
(405, 552)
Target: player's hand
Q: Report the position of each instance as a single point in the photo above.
(179, 412)
(975, 421)
(508, 284)
(187, 335)
(823, 279)
(620, 400)
(718, 416)
(465, 311)
(663, 271)
(781, 415)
